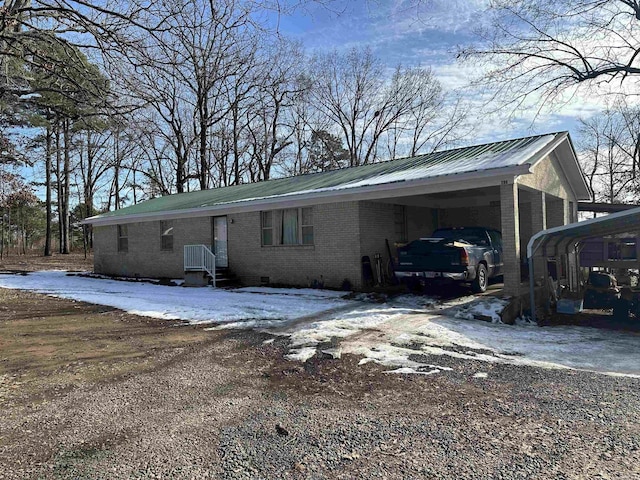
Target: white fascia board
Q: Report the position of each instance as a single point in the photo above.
(448, 183)
(585, 187)
(546, 150)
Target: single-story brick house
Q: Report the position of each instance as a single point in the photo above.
(315, 228)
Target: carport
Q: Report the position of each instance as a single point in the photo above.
(563, 243)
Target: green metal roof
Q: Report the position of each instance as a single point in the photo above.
(496, 155)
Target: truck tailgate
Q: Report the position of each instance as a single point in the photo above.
(428, 255)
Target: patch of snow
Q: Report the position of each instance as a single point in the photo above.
(481, 375)
(268, 342)
(525, 322)
(388, 355)
(295, 292)
(334, 352)
(405, 332)
(397, 337)
(195, 305)
(488, 308)
(29, 96)
(408, 370)
(301, 354)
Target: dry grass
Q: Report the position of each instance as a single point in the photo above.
(32, 262)
(49, 344)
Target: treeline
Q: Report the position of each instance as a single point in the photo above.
(20, 215)
(125, 101)
(610, 153)
(166, 97)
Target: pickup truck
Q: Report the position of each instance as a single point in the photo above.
(463, 254)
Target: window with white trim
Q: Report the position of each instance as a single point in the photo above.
(123, 238)
(290, 226)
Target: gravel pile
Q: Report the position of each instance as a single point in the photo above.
(234, 408)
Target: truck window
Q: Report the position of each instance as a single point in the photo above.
(496, 238)
(475, 236)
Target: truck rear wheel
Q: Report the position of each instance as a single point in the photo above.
(479, 284)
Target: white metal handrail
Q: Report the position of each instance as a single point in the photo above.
(199, 258)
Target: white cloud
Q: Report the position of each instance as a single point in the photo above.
(427, 32)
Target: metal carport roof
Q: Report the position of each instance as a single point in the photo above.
(561, 237)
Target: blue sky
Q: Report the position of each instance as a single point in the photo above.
(425, 33)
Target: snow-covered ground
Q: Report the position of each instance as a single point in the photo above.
(196, 305)
(393, 334)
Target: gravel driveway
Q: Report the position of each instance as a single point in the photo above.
(232, 407)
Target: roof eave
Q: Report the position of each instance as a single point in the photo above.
(460, 181)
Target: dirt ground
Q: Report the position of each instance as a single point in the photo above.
(91, 392)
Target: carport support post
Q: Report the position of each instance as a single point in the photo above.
(532, 289)
(510, 221)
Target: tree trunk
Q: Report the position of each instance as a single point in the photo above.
(1, 236)
(59, 186)
(116, 173)
(65, 197)
(9, 242)
(204, 167)
(88, 193)
(236, 150)
(47, 240)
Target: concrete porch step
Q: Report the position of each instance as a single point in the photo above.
(224, 278)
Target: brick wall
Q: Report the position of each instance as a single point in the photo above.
(557, 211)
(547, 177)
(510, 214)
(421, 222)
(377, 223)
(481, 216)
(144, 257)
(526, 227)
(334, 257)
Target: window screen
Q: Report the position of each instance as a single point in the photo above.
(307, 226)
(123, 238)
(290, 226)
(267, 228)
(166, 235)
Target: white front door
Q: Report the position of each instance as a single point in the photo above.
(220, 241)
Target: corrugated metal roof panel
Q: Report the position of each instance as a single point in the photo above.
(460, 160)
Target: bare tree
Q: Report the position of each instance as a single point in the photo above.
(346, 89)
(543, 48)
(192, 76)
(50, 35)
(431, 121)
(305, 120)
(607, 147)
(270, 132)
(353, 91)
